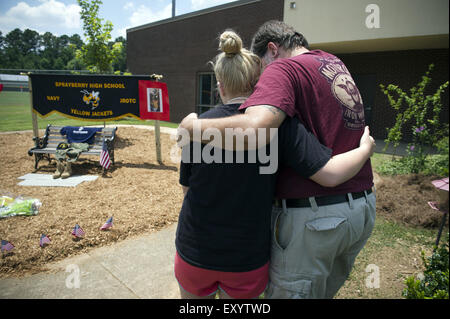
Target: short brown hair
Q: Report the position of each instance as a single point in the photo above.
(278, 32)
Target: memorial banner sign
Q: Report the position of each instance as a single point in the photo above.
(99, 97)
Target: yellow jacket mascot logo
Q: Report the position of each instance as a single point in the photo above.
(91, 98)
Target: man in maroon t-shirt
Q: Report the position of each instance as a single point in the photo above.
(318, 231)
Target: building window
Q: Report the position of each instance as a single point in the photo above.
(208, 95)
(367, 86)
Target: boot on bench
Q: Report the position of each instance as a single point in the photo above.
(67, 170)
(59, 169)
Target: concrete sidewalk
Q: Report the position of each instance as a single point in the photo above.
(400, 150)
(140, 267)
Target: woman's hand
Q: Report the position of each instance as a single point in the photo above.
(367, 142)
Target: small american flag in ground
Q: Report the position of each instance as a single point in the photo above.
(441, 184)
(44, 240)
(105, 161)
(434, 205)
(78, 231)
(6, 246)
(108, 224)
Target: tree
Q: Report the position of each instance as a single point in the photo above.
(29, 50)
(76, 41)
(12, 49)
(49, 51)
(20, 49)
(30, 42)
(2, 40)
(30, 53)
(75, 44)
(96, 54)
(2, 53)
(120, 64)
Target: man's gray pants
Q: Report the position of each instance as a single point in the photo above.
(314, 248)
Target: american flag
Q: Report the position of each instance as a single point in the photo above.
(78, 231)
(105, 161)
(441, 184)
(6, 246)
(108, 224)
(435, 206)
(44, 240)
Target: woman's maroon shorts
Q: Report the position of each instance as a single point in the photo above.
(204, 282)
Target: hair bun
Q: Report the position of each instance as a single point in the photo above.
(230, 43)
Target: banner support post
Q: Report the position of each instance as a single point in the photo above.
(158, 142)
(157, 129)
(33, 114)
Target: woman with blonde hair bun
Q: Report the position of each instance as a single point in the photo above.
(224, 229)
(237, 69)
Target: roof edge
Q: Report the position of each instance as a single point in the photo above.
(193, 14)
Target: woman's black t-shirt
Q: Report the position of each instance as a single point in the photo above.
(224, 223)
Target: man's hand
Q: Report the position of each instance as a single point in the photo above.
(185, 129)
(188, 122)
(367, 141)
(255, 118)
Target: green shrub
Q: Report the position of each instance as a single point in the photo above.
(398, 166)
(434, 284)
(421, 111)
(437, 164)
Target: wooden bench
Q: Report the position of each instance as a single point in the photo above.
(46, 145)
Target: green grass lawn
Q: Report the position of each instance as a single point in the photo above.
(378, 158)
(15, 115)
(395, 250)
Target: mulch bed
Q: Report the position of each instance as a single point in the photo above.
(140, 194)
(405, 199)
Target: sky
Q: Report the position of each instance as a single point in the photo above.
(62, 16)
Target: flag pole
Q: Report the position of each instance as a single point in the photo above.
(103, 142)
(157, 129)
